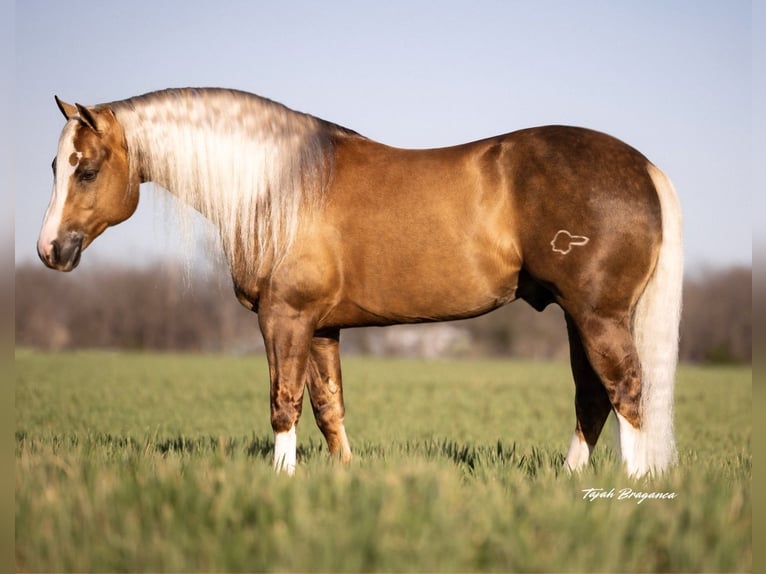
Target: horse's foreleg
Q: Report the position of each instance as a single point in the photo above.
(592, 405)
(326, 392)
(288, 341)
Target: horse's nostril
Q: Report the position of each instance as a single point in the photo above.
(55, 250)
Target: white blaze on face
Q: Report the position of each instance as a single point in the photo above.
(64, 172)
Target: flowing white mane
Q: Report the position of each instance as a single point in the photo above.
(251, 166)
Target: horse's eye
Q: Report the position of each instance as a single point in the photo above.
(88, 175)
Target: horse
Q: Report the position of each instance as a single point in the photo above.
(324, 229)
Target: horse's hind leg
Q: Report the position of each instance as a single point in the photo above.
(592, 405)
(611, 351)
(326, 392)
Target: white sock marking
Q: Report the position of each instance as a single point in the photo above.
(285, 445)
(345, 448)
(578, 455)
(633, 447)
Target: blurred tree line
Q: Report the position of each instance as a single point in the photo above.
(164, 307)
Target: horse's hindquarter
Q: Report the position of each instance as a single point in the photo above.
(419, 235)
(589, 216)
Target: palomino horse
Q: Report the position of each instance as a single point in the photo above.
(324, 229)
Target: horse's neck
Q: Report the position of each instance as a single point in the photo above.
(250, 166)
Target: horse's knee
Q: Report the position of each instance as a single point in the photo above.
(286, 408)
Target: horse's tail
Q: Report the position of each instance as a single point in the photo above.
(656, 331)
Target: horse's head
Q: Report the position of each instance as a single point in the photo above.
(92, 185)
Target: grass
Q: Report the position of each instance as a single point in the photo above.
(149, 462)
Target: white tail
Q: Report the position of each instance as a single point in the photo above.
(655, 330)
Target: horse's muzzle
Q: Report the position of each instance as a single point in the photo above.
(62, 254)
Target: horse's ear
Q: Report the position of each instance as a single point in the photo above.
(68, 110)
(87, 117)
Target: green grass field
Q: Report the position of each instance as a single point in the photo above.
(149, 462)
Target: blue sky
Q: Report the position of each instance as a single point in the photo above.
(672, 78)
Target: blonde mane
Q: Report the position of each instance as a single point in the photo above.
(251, 166)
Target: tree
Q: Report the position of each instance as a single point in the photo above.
(164, 307)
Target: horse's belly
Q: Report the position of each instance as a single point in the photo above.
(423, 289)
